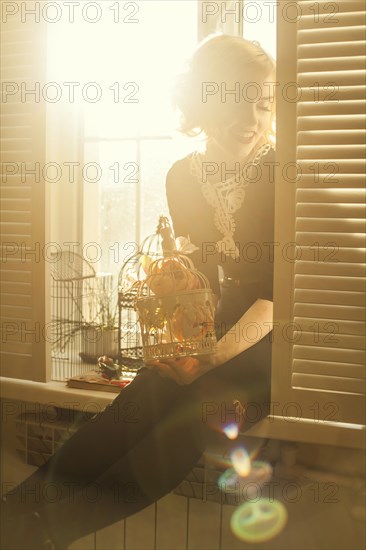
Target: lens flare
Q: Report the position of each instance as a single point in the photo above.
(258, 521)
(248, 486)
(229, 480)
(241, 461)
(231, 431)
(260, 471)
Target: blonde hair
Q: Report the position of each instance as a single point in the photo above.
(216, 58)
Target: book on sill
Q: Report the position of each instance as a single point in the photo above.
(93, 380)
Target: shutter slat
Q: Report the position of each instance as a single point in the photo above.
(342, 48)
(19, 32)
(11, 132)
(24, 362)
(332, 180)
(13, 347)
(16, 276)
(356, 62)
(331, 93)
(326, 8)
(337, 341)
(10, 287)
(17, 110)
(331, 151)
(314, 296)
(330, 210)
(331, 269)
(338, 34)
(16, 144)
(16, 312)
(332, 107)
(19, 75)
(16, 300)
(354, 284)
(15, 48)
(16, 119)
(325, 368)
(15, 228)
(334, 384)
(21, 155)
(327, 78)
(347, 137)
(325, 311)
(327, 328)
(330, 254)
(16, 58)
(329, 354)
(341, 122)
(17, 217)
(352, 196)
(356, 240)
(15, 193)
(331, 19)
(330, 166)
(322, 225)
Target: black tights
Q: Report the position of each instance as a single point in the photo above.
(141, 446)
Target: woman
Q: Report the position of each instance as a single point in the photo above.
(127, 462)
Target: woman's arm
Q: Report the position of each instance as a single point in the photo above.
(254, 325)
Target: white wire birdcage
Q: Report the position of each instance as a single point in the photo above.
(173, 300)
(132, 272)
(83, 305)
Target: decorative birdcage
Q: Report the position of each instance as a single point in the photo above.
(83, 315)
(133, 271)
(174, 304)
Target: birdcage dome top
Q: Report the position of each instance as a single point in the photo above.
(171, 274)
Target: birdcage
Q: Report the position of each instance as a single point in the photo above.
(132, 272)
(83, 315)
(174, 304)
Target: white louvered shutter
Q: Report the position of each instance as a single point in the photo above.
(24, 350)
(324, 288)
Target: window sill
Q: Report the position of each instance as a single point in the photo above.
(52, 393)
(273, 427)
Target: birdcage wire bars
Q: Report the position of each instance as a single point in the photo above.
(166, 306)
(132, 272)
(175, 309)
(83, 303)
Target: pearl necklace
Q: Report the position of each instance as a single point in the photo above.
(226, 197)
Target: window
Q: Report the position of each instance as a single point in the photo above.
(128, 135)
(319, 197)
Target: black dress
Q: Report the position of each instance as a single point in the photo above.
(127, 461)
(242, 280)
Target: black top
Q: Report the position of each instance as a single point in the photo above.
(192, 216)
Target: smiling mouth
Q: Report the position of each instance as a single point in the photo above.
(244, 137)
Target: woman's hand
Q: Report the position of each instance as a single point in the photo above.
(184, 370)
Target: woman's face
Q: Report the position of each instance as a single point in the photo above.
(237, 128)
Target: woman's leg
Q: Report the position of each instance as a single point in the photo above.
(147, 470)
(150, 470)
(101, 441)
(155, 464)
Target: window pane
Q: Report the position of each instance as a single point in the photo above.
(137, 67)
(156, 158)
(140, 74)
(259, 23)
(110, 209)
